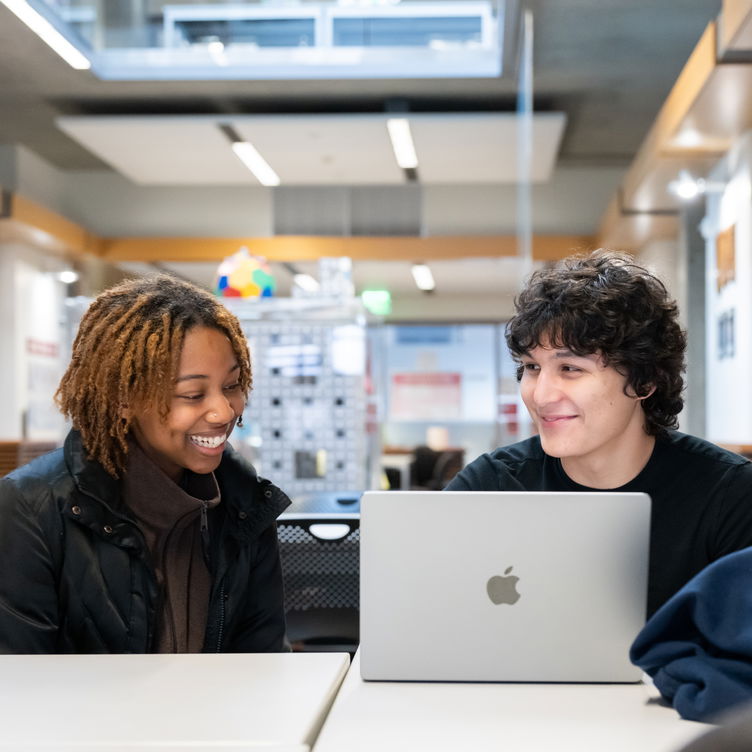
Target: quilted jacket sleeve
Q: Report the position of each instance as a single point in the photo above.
(28, 593)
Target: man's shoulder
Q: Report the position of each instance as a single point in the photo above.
(511, 467)
(522, 451)
(685, 448)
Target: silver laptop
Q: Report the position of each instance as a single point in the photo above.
(502, 586)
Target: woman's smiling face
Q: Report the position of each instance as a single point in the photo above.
(206, 401)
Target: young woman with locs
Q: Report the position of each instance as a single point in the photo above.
(146, 531)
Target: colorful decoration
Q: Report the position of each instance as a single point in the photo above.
(244, 276)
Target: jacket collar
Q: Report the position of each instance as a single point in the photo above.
(252, 503)
(89, 476)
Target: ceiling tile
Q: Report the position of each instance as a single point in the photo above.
(316, 149)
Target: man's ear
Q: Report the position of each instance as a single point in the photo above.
(650, 391)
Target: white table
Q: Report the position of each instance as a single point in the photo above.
(135, 703)
(394, 716)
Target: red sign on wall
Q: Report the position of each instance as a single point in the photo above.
(426, 396)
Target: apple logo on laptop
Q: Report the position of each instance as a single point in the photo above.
(503, 589)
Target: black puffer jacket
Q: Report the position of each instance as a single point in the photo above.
(75, 575)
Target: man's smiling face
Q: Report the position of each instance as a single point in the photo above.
(579, 406)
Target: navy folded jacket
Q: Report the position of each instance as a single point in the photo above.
(698, 646)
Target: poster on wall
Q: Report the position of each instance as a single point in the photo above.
(725, 257)
(425, 396)
(725, 267)
(43, 420)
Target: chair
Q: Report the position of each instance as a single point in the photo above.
(431, 470)
(448, 464)
(13, 454)
(320, 555)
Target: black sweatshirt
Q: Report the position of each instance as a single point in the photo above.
(701, 494)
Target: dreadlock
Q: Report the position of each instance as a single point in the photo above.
(127, 351)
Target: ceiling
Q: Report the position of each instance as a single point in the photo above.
(315, 149)
(605, 65)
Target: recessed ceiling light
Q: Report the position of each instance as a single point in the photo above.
(423, 277)
(402, 143)
(306, 282)
(68, 276)
(48, 34)
(250, 157)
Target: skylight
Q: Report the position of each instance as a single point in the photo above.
(278, 39)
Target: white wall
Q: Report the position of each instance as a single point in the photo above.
(24, 172)
(573, 201)
(32, 349)
(421, 307)
(663, 259)
(7, 166)
(10, 420)
(110, 205)
(728, 381)
(38, 180)
(42, 347)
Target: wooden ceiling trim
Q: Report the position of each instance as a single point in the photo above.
(631, 231)
(28, 222)
(735, 27)
(308, 248)
(688, 86)
(708, 107)
(33, 224)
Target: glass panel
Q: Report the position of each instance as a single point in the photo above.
(394, 32)
(148, 39)
(441, 383)
(277, 32)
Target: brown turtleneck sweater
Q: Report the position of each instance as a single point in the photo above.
(170, 517)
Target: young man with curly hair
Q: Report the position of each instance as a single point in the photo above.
(145, 532)
(600, 360)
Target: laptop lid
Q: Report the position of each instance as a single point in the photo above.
(502, 586)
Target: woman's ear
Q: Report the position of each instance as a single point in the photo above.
(124, 412)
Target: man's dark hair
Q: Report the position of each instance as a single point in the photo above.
(606, 303)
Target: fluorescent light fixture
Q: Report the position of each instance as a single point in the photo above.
(248, 155)
(378, 302)
(216, 50)
(306, 282)
(48, 34)
(688, 138)
(402, 143)
(423, 277)
(687, 187)
(68, 276)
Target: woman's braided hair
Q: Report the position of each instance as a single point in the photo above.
(127, 351)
